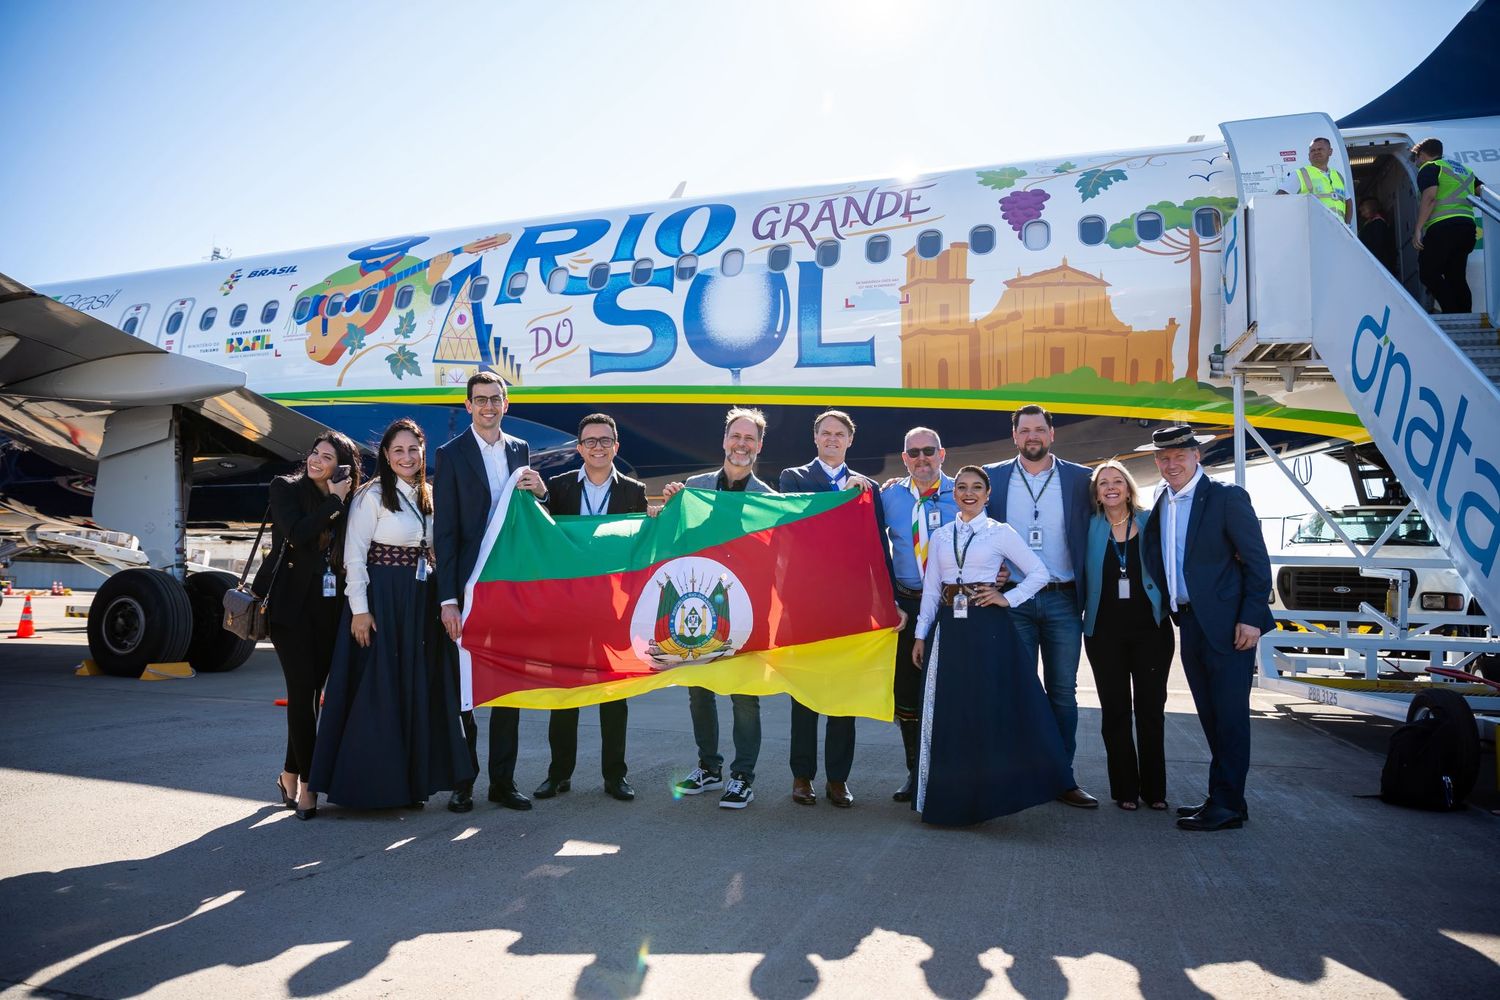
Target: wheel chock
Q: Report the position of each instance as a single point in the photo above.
(76, 611)
(88, 668)
(167, 671)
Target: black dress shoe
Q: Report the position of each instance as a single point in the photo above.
(905, 792)
(306, 813)
(620, 789)
(509, 798)
(551, 787)
(1212, 820)
(1195, 810)
(461, 801)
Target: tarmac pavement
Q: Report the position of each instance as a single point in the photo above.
(142, 855)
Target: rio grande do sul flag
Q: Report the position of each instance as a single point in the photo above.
(740, 593)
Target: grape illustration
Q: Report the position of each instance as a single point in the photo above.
(1020, 207)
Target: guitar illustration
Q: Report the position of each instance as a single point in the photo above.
(335, 304)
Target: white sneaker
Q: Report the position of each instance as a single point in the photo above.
(700, 780)
(738, 795)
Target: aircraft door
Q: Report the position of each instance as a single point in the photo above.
(174, 326)
(1265, 150)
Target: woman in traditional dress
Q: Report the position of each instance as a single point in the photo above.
(390, 733)
(990, 744)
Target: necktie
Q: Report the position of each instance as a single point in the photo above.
(919, 522)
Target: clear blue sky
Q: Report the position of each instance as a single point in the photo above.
(138, 135)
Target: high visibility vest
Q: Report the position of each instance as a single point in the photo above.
(1455, 184)
(1326, 186)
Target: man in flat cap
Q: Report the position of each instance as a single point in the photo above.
(1203, 539)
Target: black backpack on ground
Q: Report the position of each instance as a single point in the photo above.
(1433, 760)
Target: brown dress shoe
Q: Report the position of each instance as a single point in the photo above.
(1079, 798)
(802, 792)
(839, 794)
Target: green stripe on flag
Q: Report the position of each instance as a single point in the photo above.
(532, 546)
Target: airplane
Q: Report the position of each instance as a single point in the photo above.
(1100, 285)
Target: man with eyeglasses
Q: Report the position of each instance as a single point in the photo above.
(913, 508)
(593, 491)
(472, 470)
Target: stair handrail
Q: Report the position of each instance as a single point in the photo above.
(1487, 204)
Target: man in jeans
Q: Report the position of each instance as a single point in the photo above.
(744, 435)
(1047, 501)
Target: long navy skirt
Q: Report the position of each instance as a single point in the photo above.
(389, 734)
(990, 744)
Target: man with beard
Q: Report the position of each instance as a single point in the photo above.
(1047, 501)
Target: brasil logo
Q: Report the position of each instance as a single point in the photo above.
(694, 610)
(229, 282)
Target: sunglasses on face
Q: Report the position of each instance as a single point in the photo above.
(927, 450)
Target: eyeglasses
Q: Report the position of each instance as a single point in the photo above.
(487, 402)
(927, 450)
(598, 442)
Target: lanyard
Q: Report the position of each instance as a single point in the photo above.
(420, 517)
(1036, 498)
(588, 504)
(840, 473)
(959, 557)
(1119, 551)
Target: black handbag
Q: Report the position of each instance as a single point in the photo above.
(245, 613)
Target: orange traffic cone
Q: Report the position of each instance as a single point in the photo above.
(25, 630)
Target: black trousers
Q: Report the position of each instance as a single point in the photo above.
(1442, 261)
(305, 651)
(1220, 683)
(908, 679)
(838, 748)
(504, 727)
(1130, 671)
(562, 734)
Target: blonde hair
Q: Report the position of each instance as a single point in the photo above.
(1132, 489)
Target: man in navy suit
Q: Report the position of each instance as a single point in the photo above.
(592, 491)
(472, 469)
(833, 433)
(1203, 540)
(1047, 501)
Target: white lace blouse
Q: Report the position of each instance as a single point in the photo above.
(993, 543)
(370, 521)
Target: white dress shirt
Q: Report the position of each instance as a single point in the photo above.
(595, 499)
(496, 468)
(1178, 508)
(993, 543)
(369, 522)
(839, 477)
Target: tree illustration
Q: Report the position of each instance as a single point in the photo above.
(1181, 241)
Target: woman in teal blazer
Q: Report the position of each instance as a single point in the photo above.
(1129, 640)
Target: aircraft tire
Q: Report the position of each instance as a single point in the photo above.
(139, 616)
(213, 650)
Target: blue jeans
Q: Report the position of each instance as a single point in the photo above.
(1050, 623)
(705, 712)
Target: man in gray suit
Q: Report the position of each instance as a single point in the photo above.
(744, 435)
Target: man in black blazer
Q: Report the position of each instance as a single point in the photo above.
(472, 469)
(833, 433)
(1203, 541)
(596, 489)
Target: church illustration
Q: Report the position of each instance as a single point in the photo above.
(1046, 323)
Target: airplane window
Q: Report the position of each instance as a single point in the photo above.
(1036, 234)
(130, 325)
(982, 239)
(1148, 227)
(331, 308)
(206, 321)
(514, 288)
(237, 317)
(732, 263)
(828, 253)
(779, 257)
(268, 311)
(877, 249)
(598, 277)
(300, 311)
(557, 280)
(403, 296)
(640, 271)
(1091, 230)
(929, 243)
(480, 285)
(687, 266)
(441, 291)
(368, 301)
(174, 323)
(1207, 222)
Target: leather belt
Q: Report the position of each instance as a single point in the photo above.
(950, 591)
(907, 592)
(1054, 585)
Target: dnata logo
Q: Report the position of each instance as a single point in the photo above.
(1430, 436)
(267, 272)
(229, 282)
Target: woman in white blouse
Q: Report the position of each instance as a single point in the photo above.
(390, 733)
(990, 745)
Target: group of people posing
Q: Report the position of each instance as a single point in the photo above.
(994, 570)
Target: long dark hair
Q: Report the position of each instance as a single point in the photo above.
(347, 453)
(387, 475)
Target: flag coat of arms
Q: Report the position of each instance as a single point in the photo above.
(740, 593)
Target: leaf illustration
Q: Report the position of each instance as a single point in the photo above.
(403, 363)
(1001, 179)
(1064, 167)
(1093, 182)
(407, 325)
(354, 337)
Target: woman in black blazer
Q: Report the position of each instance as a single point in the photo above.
(306, 580)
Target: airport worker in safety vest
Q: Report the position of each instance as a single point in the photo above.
(1445, 225)
(1321, 181)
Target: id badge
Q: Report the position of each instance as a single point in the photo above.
(960, 605)
(1124, 588)
(934, 519)
(422, 567)
(330, 584)
(1034, 537)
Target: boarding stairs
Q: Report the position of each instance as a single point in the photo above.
(1426, 388)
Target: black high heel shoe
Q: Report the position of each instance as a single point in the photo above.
(307, 813)
(286, 800)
